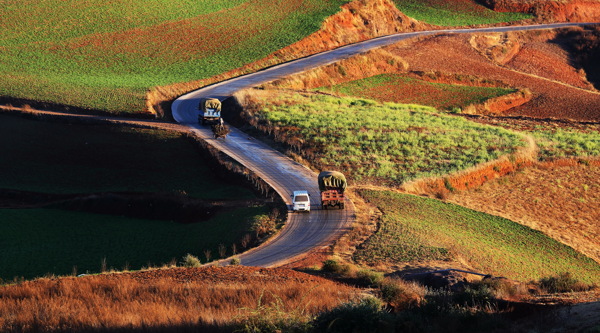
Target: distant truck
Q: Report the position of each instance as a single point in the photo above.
(210, 111)
(332, 185)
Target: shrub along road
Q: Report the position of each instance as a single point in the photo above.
(303, 232)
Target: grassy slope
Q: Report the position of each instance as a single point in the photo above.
(403, 89)
(454, 12)
(559, 143)
(386, 143)
(557, 139)
(414, 229)
(561, 201)
(207, 299)
(34, 242)
(105, 56)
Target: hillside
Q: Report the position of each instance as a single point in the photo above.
(213, 299)
(560, 201)
(506, 95)
(106, 56)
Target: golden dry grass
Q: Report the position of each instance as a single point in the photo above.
(214, 297)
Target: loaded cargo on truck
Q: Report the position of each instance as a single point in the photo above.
(332, 185)
(210, 111)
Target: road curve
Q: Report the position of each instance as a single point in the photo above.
(303, 231)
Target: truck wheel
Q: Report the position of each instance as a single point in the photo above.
(203, 122)
(325, 207)
(342, 205)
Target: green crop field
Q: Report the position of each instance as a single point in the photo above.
(454, 12)
(34, 242)
(51, 157)
(387, 143)
(106, 55)
(400, 88)
(420, 229)
(561, 143)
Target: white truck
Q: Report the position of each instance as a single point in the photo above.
(301, 201)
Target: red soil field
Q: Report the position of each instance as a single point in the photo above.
(552, 97)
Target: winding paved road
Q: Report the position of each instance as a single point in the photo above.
(307, 231)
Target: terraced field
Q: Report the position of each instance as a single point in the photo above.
(384, 143)
(455, 12)
(400, 88)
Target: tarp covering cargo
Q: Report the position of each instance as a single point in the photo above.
(332, 180)
(210, 103)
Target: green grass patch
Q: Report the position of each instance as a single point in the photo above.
(54, 157)
(34, 242)
(400, 88)
(106, 55)
(416, 229)
(455, 12)
(387, 143)
(561, 143)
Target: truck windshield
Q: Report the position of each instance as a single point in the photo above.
(301, 198)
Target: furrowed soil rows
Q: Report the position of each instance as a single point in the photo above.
(455, 55)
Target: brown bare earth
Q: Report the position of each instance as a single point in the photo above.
(558, 93)
(555, 10)
(560, 200)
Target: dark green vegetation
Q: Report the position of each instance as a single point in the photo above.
(400, 88)
(106, 55)
(387, 143)
(420, 229)
(34, 242)
(54, 157)
(454, 12)
(57, 158)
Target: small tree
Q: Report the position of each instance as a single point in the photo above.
(190, 260)
(246, 240)
(263, 225)
(207, 255)
(222, 251)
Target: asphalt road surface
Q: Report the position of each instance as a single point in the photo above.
(303, 232)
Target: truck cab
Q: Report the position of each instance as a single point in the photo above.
(301, 201)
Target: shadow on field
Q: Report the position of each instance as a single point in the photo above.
(176, 207)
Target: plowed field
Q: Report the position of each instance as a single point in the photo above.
(557, 95)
